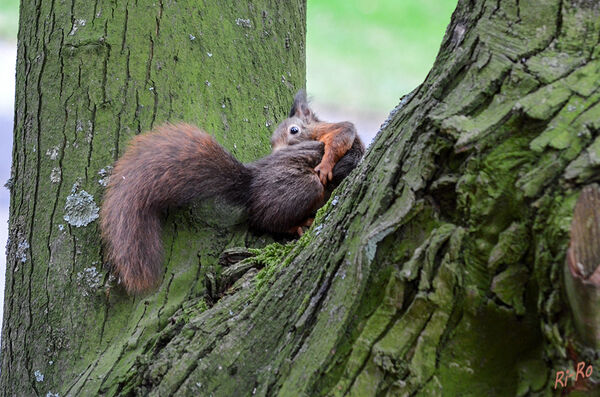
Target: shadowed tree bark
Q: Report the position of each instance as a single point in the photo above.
(436, 268)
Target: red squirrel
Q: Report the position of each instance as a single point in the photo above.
(178, 163)
(303, 125)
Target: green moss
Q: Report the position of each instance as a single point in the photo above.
(583, 79)
(431, 251)
(565, 130)
(533, 375)
(543, 103)
(396, 290)
(509, 286)
(485, 353)
(272, 258)
(103, 73)
(512, 245)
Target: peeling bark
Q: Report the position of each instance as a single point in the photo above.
(435, 269)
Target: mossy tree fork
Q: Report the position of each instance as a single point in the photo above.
(436, 268)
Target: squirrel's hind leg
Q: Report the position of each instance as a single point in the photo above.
(300, 229)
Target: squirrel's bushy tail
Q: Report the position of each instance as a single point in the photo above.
(168, 167)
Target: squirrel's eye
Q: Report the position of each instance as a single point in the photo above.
(294, 130)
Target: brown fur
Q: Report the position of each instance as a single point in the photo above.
(178, 163)
(167, 167)
(338, 138)
(285, 189)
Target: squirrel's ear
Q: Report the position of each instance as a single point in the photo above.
(301, 109)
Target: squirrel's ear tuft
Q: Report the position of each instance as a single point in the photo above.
(301, 109)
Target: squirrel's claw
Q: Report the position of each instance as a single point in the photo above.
(296, 230)
(325, 172)
(299, 230)
(323, 178)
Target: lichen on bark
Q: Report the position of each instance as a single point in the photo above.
(435, 269)
(90, 75)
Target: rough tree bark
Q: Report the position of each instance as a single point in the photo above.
(435, 270)
(90, 75)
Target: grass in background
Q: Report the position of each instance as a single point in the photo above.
(361, 54)
(9, 19)
(366, 54)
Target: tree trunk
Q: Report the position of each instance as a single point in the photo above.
(90, 75)
(436, 269)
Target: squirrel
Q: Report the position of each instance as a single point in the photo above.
(178, 163)
(303, 125)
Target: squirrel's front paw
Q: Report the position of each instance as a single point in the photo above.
(325, 172)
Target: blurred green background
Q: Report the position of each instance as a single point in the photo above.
(9, 19)
(362, 55)
(365, 54)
